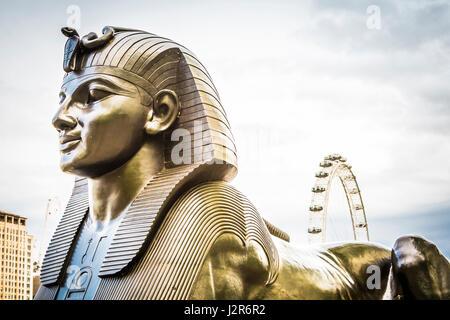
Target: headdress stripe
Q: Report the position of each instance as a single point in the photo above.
(154, 57)
(133, 60)
(114, 59)
(133, 51)
(123, 44)
(154, 46)
(94, 55)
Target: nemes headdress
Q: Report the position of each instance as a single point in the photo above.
(154, 63)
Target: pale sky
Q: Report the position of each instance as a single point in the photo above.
(299, 80)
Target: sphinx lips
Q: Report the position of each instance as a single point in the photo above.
(69, 145)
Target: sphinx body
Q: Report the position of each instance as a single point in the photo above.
(185, 233)
(213, 244)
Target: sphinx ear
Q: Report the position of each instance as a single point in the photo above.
(166, 109)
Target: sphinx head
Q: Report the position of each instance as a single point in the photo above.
(128, 87)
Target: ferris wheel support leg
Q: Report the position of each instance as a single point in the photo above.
(419, 270)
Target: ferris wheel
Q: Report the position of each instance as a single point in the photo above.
(335, 166)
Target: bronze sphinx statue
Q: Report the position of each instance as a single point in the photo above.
(152, 215)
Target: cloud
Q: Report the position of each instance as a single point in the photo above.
(299, 80)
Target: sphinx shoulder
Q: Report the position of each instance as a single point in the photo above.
(232, 269)
(238, 250)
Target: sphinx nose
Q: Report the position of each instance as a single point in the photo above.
(63, 121)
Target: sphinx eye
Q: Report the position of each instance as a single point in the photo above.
(97, 95)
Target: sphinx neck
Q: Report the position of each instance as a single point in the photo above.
(112, 193)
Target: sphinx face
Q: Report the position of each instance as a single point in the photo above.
(100, 122)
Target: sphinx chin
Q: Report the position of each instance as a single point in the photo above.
(66, 165)
(73, 165)
(70, 161)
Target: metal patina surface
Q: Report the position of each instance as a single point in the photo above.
(143, 224)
